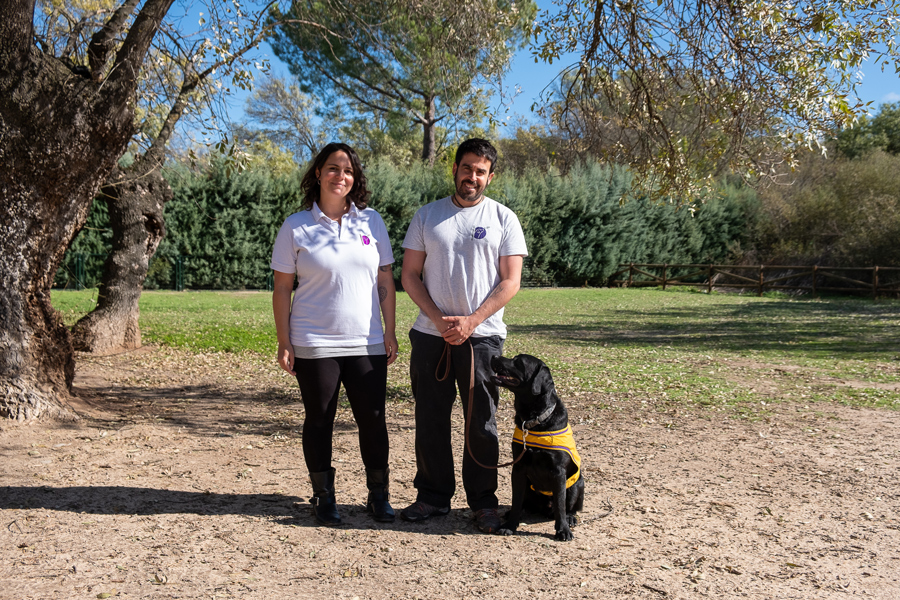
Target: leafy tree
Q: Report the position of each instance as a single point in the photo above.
(68, 105)
(183, 76)
(838, 212)
(532, 147)
(680, 86)
(425, 62)
(62, 130)
(377, 137)
(879, 132)
(285, 115)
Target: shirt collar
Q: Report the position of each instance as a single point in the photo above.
(318, 215)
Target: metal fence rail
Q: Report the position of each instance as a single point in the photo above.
(78, 277)
(872, 281)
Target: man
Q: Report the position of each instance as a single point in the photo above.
(462, 264)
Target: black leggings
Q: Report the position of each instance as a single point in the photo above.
(365, 379)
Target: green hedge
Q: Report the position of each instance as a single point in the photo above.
(579, 227)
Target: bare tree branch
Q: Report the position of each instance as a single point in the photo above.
(103, 41)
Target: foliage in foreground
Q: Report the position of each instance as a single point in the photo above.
(682, 91)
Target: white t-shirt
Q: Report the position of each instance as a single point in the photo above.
(462, 249)
(336, 301)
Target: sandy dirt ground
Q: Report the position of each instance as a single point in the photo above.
(184, 478)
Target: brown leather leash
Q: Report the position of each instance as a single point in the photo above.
(446, 356)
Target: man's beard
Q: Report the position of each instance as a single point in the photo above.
(466, 196)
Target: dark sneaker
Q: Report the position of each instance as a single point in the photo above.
(487, 520)
(419, 511)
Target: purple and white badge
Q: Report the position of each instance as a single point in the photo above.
(480, 232)
(365, 240)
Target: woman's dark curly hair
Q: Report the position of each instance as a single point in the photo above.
(359, 193)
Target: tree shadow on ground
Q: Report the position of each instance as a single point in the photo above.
(204, 410)
(811, 329)
(112, 500)
(143, 501)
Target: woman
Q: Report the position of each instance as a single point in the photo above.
(331, 332)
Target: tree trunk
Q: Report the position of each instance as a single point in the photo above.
(428, 133)
(47, 179)
(135, 197)
(60, 137)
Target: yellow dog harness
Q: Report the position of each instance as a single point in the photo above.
(561, 440)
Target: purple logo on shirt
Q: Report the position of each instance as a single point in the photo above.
(365, 240)
(480, 232)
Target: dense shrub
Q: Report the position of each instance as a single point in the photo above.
(881, 132)
(838, 212)
(90, 248)
(579, 227)
(224, 225)
(582, 226)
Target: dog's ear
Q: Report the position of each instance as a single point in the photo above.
(542, 383)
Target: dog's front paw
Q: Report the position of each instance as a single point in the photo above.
(572, 520)
(508, 528)
(564, 535)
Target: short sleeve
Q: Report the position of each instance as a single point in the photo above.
(415, 234)
(382, 239)
(513, 243)
(283, 253)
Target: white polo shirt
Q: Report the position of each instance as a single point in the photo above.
(462, 249)
(336, 301)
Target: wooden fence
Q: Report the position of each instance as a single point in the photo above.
(872, 281)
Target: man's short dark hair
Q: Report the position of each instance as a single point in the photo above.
(478, 147)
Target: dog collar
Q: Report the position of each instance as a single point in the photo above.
(540, 418)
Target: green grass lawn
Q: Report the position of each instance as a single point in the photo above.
(637, 344)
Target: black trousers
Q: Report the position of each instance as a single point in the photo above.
(365, 379)
(435, 481)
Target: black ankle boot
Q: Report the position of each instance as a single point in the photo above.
(323, 498)
(377, 504)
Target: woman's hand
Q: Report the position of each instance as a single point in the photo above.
(391, 347)
(286, 358)
(281, 308)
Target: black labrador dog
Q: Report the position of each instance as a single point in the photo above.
(547, 480)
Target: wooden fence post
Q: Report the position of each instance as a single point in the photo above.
(760, 281)
(815, 272)
(875, 284)
(709, 281)
(630, 274)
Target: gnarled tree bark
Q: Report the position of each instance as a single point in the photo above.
(135, 198)
(61, 135)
